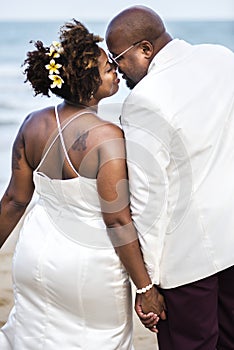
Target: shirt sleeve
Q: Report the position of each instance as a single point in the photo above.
(147, 143)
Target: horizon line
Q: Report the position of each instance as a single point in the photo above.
(169, 18)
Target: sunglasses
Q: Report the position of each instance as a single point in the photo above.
(115, 59)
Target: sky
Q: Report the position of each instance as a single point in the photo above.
(105, 9)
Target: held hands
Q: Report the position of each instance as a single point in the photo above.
(150, 307)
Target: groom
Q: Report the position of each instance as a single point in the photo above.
(179, 127)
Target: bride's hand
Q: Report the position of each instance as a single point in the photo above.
(153, 301)
(150, 308)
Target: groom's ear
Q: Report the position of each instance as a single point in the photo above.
(147, 48)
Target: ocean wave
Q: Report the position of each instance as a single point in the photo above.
(8, 122)
(10, 70)
(5, 105)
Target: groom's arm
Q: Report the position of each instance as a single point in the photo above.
(147, 138)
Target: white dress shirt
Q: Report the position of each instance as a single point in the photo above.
(179, 128)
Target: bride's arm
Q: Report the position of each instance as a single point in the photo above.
(114, 198)
(19, 191)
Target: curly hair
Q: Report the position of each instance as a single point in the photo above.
(79, 62)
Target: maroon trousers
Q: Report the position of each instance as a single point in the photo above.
(200, 315)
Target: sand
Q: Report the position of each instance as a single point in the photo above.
(143, 339)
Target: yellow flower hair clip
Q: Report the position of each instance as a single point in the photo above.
(57, 81)
(56, 50)
(53, 67)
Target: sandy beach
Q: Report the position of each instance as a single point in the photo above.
(143, 339)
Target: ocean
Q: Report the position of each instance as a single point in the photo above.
(16, 98)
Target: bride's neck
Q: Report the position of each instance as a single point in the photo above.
(90, 105)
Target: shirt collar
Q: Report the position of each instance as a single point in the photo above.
(176, 48)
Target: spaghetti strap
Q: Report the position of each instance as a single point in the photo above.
(46, 153)
(62, 141)
(60, 130)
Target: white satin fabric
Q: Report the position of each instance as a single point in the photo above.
(71, 290)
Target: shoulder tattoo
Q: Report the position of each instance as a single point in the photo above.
(80, 143)
(17, 152)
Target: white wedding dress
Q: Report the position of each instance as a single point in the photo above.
(71, 291)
